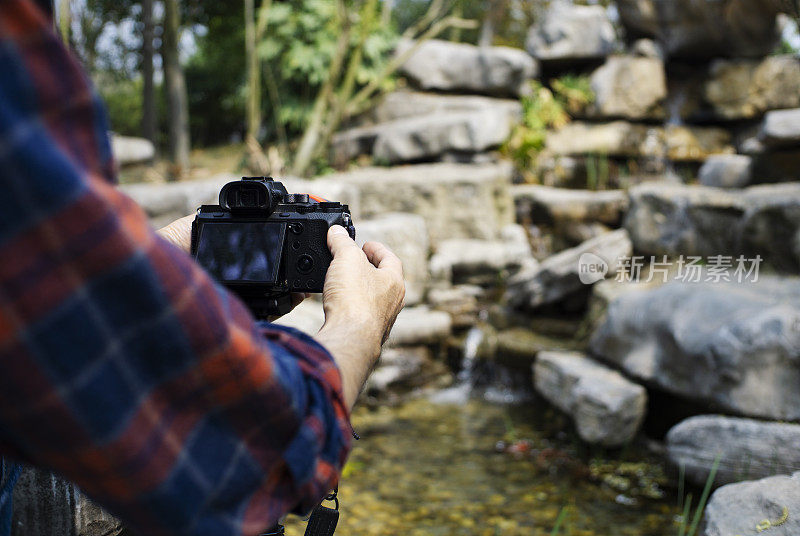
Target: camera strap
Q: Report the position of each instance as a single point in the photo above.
(323, 520)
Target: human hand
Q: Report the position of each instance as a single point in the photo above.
(363, 293)
(179, 232)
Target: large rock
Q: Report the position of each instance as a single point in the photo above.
(425, 137)
(771, 225)
(629, 140)
(732, 346)
(456, 200)
(727, 171)
(781, 128)
(607, 408)
(429, 137)
(403, 104)
(747, 449)
(464, 260)
(406, 236)
(47, 505)
(629, 87)
(568, 33)
(128, 150)
(447, 66)
(770, 504)
(543, 204)
(694, 30)
(675, 219)
(559, 276)
(744, 89)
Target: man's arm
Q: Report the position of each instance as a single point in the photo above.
(125, 368)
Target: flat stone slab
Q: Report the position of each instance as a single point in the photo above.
(628, 140)
(547, 204)
(426, 137)
(781, 128)
(559, 276)
(404, 104)
(607, 408)
(460, 67)
(456, 200)
(747, 449)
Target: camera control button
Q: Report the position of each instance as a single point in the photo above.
(305, 264)
(296, 245)
(311, 283)
(296, 228)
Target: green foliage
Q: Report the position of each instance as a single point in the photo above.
(546, 109)
(574, 91)
(541, 111)
(299, 47)
(123, 100)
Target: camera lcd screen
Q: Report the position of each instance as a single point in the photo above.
(241, 251)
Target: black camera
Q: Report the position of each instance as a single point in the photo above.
(264, 243)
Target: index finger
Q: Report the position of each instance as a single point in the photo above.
(383, 258)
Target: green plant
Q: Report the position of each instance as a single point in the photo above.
(574, 91)
(698, 513)
(541, 111)
(559, 520)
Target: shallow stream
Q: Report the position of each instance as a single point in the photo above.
(478, 468)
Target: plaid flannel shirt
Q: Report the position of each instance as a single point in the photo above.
(123, 367)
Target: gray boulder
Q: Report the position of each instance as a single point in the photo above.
(672, 219)
(727, 171)
(403, 104)
(128, 150)
(781, 128)
(747, 449)
(426, 137)
(607, 408)
(732, 346)
(543, 204)
(447, 66)
(771, 225)
(396, 367)
(675, 219)
(463, 260)
(407, 236)
(567, 33)
(456, 200)
(770, 504)
(689, 29)
(744, 89)
(629, 87)
(559, 276)
(47, 505)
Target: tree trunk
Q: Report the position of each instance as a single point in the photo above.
(177, 102)
(253, 81)
(64, 20)
(148, 89)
